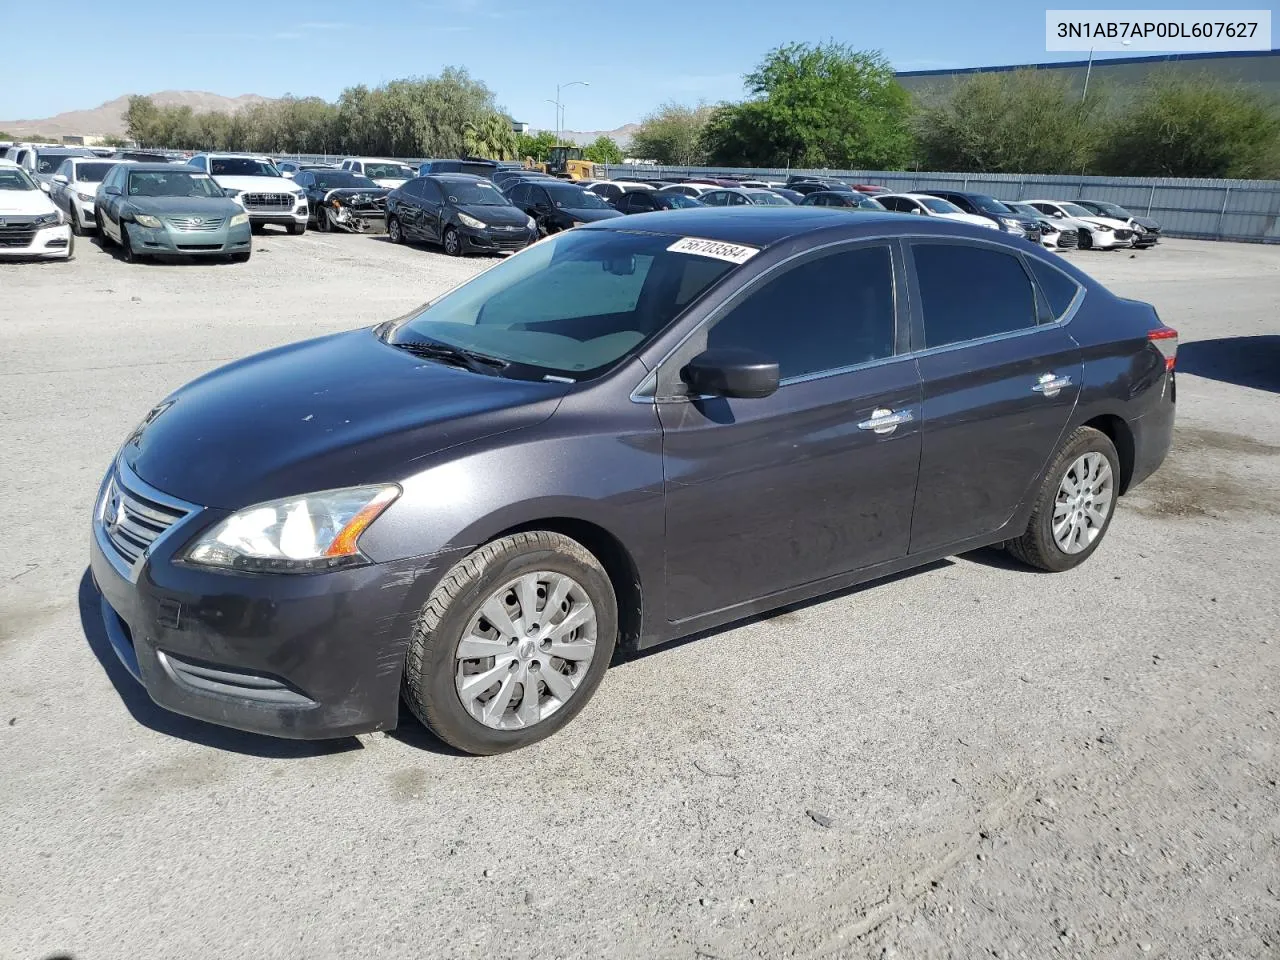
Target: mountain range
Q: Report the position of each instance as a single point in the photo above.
(108, 119)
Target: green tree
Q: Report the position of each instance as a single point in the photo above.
(672, 135)
(603, 150)
(490, 135)
(110, 140)
(538, 146)
(1194, 126)
(141, 120)
(817, 106)
(1024, 121)
(6, 135)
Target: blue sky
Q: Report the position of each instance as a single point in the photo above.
(520, 48)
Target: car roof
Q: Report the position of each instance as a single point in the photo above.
(136, 167)
(456, 177)
(763, 226)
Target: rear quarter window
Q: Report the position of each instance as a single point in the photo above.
(1058, 288)
(969, 292)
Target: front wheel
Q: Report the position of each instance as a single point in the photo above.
(126, 245)
(77, 228)
(452, 242)
(323, 223)
(297, 229)
(394, 231)
(240, 257)
(1085, 240)
(1074, 507)
(512, 643)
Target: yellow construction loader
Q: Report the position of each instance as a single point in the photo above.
(566, 162)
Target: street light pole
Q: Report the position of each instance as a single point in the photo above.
(1088, 70)
(560, 106)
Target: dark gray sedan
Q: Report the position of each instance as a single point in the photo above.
(631, 431)
(172, 210)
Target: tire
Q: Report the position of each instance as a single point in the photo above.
(240, 257)
(322, 220)
(454, 611)
(297, 229)
(126, 245)
(77, 228)
(451, 242)
(1038, 547)
(71, 247)
(1084, 240)
(394, 231)
(104, 238)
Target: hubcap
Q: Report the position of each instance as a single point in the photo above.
(1084, 501)
(527, 651)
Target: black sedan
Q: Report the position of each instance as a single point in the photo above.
(647, 201)
(637, 431)
(462, 213)
(850, 200)
(341, 200)
(556, 206)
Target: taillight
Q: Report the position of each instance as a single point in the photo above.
(1166, 341)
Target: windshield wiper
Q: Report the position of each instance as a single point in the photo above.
(456, 356)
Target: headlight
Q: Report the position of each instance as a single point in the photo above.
(1103, 227)
(1011, 223)
(532, 224)
(87, 197)
(305, 534)
(1139, 228)
(146, 220)
(238, 219)
(228, 192)
(471, 222)
(48, 220)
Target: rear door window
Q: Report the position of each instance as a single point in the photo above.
(968, 292)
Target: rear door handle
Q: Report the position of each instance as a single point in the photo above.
(884, 421)
(1050, 384)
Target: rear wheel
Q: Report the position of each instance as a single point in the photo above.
(452, 242)
(512, 643)
(1074, 507)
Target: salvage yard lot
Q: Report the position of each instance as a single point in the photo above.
(970, 760)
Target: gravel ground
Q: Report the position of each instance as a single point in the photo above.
(970, 760)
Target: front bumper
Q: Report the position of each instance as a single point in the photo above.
(299, 214)
(300, 656)
(86, 211)
(357, 219)
(168, 241)
(1108, 241)
(49, 243)
(493, 240)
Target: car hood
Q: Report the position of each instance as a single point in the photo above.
(1147, 223)
(491, 214)
(590, 216)
(199, 206)
(967, 218)
(259, 184)
(1111, 222)
(25, 202)
(391, 182)
(336, 411)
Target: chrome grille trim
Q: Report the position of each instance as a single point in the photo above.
(132, 517)
(196, 224)
(269, 201)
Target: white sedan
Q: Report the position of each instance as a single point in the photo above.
(691, 189)
(1100, 233)
(30, 225)
(74, 190)
(923, 204)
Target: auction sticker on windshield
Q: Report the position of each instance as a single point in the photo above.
(733, 252)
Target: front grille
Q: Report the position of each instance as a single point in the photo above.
(17, 233)
(268, 201)
(505, 244)
(198, 246)
(1123, 234)
(1069, 239)
(196, 224)
(132, 522)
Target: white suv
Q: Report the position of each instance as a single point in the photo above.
(256, 184)
(385, 173)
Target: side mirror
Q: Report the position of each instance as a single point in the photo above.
(287, 174)
(1058, 215)
(111, 191)
(44, 185)
(917, 211)
(60, 178)
(731, 372)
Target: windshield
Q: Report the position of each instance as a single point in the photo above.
(570, 306)
(339, 179)
(1025, 209)
(1111, 209)
(770, 199)
(990, 205)
(678, 201)
(1075, 210)
(91, 172)
(15, 178)
(938, 206)
(177, 183)
(388, 171)
(50, 162)
(575, 198)
(470, 193)
(242, 167)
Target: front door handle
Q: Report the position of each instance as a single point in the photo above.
(1050, 384)
(885, 421)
